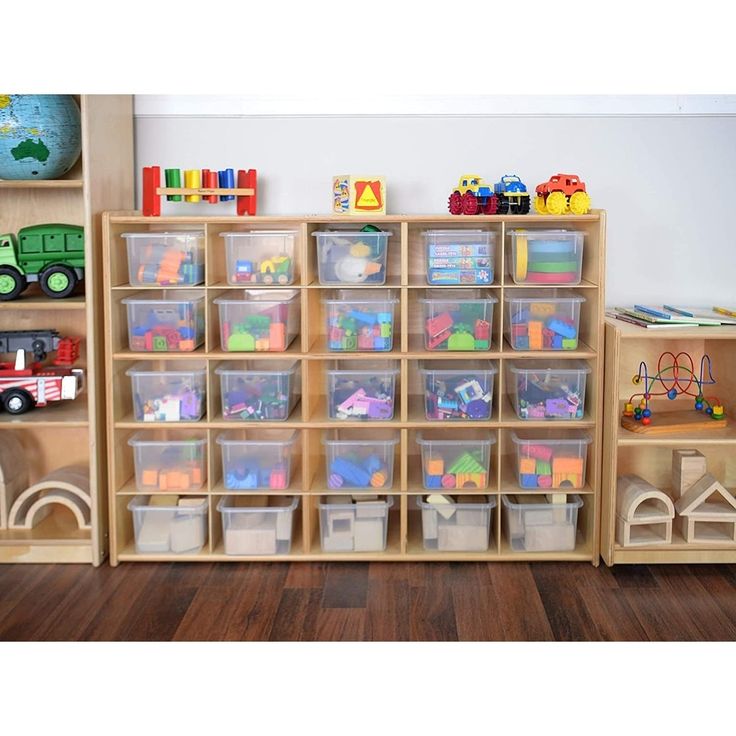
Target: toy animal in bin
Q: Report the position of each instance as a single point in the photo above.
(473, 197)
(561, 194)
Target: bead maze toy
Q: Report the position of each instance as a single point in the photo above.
(205, 184)
(675, 377)
(562, 194)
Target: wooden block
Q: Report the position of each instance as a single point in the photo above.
(187, 533)
(455, 538)
(549, 538)
(557, 499)
(284, 525)
(688, 467)
(429, 523)
(337, 542)
(159, 500)
(367, 509)
(368, 535)
(335, 499)
(470, 517)
(250, 541)
(155, 533)
(189, 501)
(444, 505)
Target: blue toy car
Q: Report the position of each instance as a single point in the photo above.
(512, 195)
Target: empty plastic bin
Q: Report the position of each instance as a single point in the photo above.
(360, 320)
(178, 527)
(459, 461)
(259, 320)
(251, 461)
(543, 320)
(547, 389)
(167, 321)
(534, 524)
(170, 391)
(463, 525)
(460, 257)
(353, 526)
(260, 256)
(168, 462)
(551, 462)
(258, 390)
(362, 389)
(546, 257)
(354, 459)
(458, 319)
(455, 391)
(256, 525)
(166, 258)
(352, 256)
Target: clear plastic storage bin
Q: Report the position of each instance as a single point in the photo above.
(458, 319)
(165, 259)
(257, 525)
(532, 523)
(259, 320)
(551, 462)
(456, 525)
(460, 461)
(353, 526)
(251, 462)
(354, 459)
(360, 320)
(362, 389)
(260, 257)
(547, 389)
(167, 321)
(456, 391)
(546, 257)
(543, 320)
(254, 391)
(352, 256)
(460, 256)
(172, 391)
(169, 525)
(168, 463)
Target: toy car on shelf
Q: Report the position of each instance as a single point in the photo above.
(473, 197)
(512, 194)
(53, 255)
(562, 193)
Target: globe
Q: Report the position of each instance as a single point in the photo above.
(40, 136)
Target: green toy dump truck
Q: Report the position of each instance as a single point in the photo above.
(53, 255)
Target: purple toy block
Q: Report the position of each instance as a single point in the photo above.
(556, 408)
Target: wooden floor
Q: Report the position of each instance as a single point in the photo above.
(377, 601)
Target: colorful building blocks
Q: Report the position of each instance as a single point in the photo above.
(548, 390)
(357, 322)
(456, 394)
(256, 464)
(540, 322)
(472, 196)
(561, 194)
(174, 393)
(458, 319)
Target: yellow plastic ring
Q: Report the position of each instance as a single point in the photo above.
(522, 258)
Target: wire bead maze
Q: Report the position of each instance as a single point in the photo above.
(672, 380)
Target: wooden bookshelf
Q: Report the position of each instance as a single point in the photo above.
(67, 432)
(650, 456)
(406, 276)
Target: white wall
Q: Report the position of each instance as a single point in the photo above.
(667, 181)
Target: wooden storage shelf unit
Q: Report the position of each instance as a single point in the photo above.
(650, 456)
(406, 276)
(70, 432)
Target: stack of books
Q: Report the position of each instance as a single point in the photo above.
(668, 316)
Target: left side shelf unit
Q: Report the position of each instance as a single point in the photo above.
(69, 432)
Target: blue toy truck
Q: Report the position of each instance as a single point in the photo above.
(512, 195)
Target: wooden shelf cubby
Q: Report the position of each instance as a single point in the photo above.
(70, 432)
(406, 277)
(650, 456)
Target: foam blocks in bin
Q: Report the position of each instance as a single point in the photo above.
(551, 462)
(359, 461)
(172, 463)
(455, 462)
(251, 462)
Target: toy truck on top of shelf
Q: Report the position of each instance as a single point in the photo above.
(53, 255)
(21, 387)
(473, 197)
(562, 193)
(512, 195)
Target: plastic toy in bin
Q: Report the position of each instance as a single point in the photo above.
(561, 194)
(360, 320)
(168, 464)
(352, 256)
(547, 390)
(175, 392)
(458, 392)
(543, 320)
(460, 256)
(250, 463)
(253, 391)
(359, 461)
(455, 463)
(363, 390)
(172, 321)
(260, 256)
(546, 257)
(458, 319)
(259, 320)
(551, 462)
(166, 258)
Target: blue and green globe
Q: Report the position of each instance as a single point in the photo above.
(40, 136)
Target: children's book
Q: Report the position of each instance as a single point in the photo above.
(642, 323)
(703, 316)
(661, 314)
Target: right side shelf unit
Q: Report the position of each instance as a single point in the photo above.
(650, 456)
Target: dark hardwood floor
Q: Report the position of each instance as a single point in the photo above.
(372, 602)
